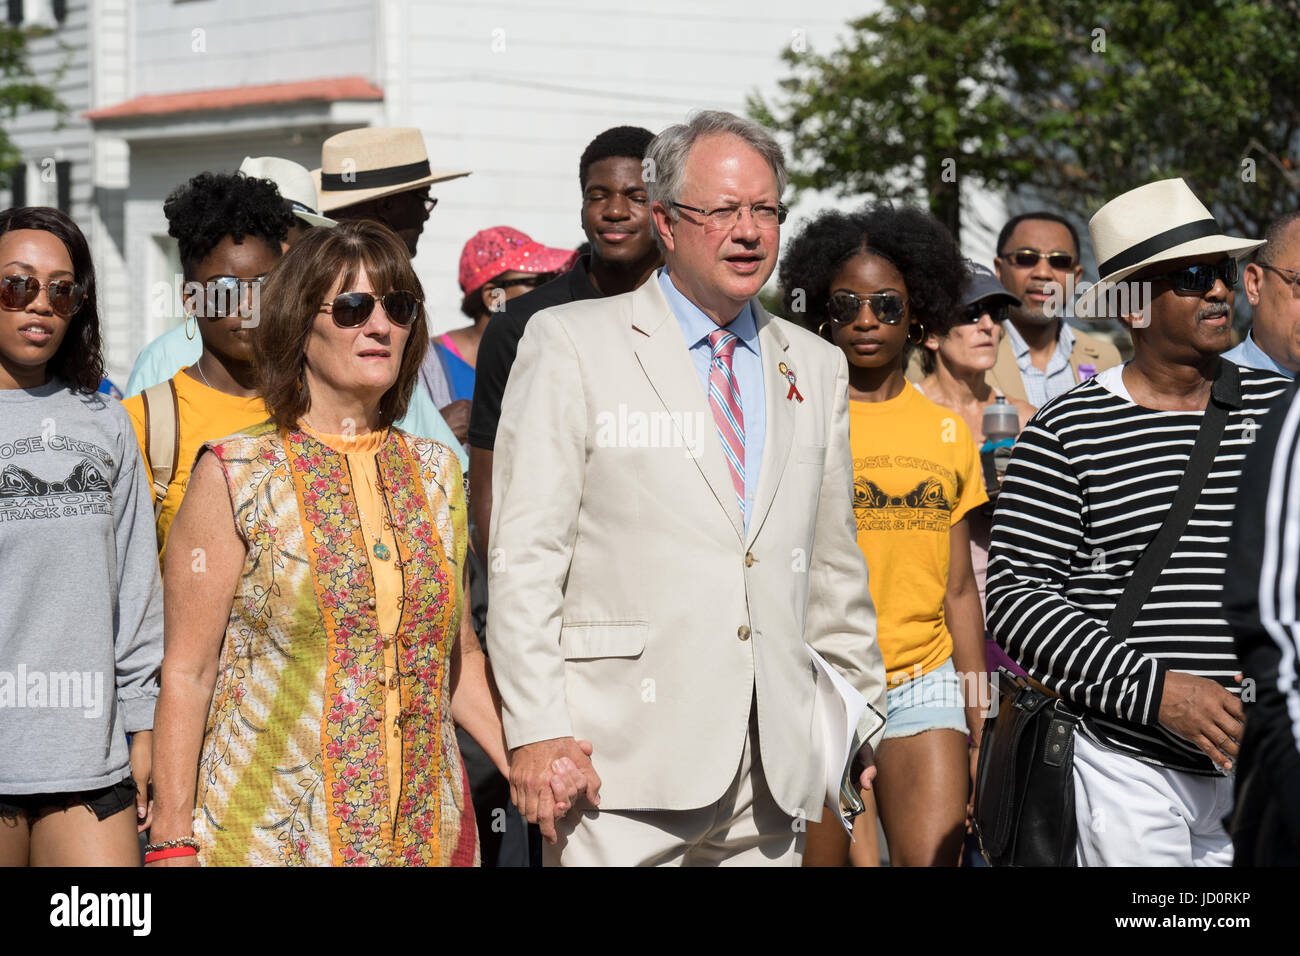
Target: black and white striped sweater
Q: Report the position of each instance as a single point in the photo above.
(1089, 483)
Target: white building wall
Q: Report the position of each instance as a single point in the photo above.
(60, 59)
(183, 45)
(515, 89)
(511, 89)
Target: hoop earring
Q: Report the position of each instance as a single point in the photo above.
(821, 330)
(920, 338)
(188, 334)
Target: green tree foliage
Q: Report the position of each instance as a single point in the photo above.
(19, 88)
(1075, 101)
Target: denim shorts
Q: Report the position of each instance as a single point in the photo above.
(932, 701)
(103, 803)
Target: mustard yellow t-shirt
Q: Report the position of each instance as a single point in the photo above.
(205, 415)
(916, 473)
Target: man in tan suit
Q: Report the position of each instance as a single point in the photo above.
(672, 530)
(1041, 356)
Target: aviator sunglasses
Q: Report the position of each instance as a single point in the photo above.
(843, 307)
(224, 295)
(18, 292)
(353, 308)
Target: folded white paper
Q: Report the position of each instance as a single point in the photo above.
(838, 708)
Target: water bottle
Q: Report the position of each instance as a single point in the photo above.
(1000, 425)
(1001, 420)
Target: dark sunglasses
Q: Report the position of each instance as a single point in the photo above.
(224, 295)
(1200, 278)
(1027, 258)
(888, 307)
(18, 292)
(998, 311)
(531, 282)
(353, 308)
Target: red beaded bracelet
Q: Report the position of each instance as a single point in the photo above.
(156, 855)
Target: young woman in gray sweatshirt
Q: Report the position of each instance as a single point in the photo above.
(81, 634)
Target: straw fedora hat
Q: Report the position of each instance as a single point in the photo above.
(371, 162)
(1158, 222)
(294, 182)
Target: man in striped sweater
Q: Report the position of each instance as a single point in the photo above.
(1092, 478)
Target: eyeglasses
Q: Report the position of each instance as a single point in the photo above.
(18, 292)
(998, 311)
(1289, 276)
(224, 295)
(725, 217)
(1027, 258)
(843, 307)
(531, 282)
(1200, 278)
(429, 203)
(351, 309)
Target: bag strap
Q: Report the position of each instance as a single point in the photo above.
(1225, 393)
(162, 414)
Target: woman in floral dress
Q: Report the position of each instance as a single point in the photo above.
(318, 657)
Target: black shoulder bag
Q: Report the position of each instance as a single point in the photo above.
(1024, 793)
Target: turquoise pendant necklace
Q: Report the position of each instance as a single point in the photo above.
(379, 549)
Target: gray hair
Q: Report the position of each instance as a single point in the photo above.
(665, 157)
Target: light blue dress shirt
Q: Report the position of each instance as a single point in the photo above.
(1042, 386)
(172, 351)
(1249, 354)
(746, 369)
(163, 358)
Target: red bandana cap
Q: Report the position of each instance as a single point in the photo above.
(502, 249)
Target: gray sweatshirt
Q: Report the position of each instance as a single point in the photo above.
(81, 615)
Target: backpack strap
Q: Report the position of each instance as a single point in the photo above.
(162, 415)
(1224, 396)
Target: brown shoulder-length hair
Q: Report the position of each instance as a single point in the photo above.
(291, 298)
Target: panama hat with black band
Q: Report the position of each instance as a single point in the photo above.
(1158, 222)
(363, 164)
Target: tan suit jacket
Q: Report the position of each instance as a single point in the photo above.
(1088, 350)
(628, 604)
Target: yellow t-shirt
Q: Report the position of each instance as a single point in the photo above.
(205, 415)
(916, 473)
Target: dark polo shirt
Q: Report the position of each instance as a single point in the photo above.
(496, 352)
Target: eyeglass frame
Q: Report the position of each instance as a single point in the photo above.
(782, 212)
(376, 300)
(864, 302)
(1228, 264)
(969, 316)
(75, 288)
(1006, 257)
(534, 280)
(213, 290)
(1293, 281)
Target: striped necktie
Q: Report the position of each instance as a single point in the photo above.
(724, 400)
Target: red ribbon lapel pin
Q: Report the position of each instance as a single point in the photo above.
(788, 374)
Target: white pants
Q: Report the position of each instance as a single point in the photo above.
(744, 828)
(1132, 813)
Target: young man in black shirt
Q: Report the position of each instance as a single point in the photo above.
(617, 223)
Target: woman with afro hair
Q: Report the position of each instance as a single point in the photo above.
(874, 283)
(230, 229)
